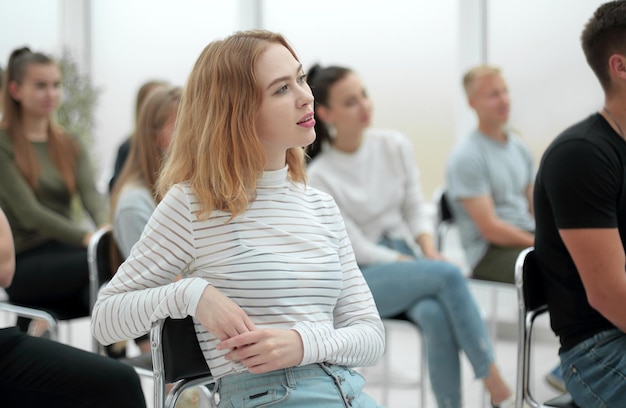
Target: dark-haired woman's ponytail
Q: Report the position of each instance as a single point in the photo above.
(321, 80)
(16, 53)
(321, 131)
(312, 74)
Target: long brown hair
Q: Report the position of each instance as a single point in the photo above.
(145, 157)
(215, 147)
(63, 150)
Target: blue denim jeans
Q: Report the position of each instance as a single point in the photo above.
(311, 386)
(594, 370)
(435, 296)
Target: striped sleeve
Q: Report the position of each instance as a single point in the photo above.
(356, 338)
(144, 288)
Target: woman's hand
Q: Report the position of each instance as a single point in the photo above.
(265, 350)
(405, 258)
(222, 317)
(427, 245)
(435, 255)
(87, 238)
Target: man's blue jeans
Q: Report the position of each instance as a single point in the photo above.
(435, 296)
(594, 370)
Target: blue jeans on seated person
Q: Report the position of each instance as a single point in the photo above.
(435, 296)
(594, 370)
(311, 386)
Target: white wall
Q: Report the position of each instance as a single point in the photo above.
(537, 44)
(140, 40)
(405, 51)
(410, 54)
(34, 23)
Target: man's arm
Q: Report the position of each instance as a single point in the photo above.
(492, 228)
(530, 189)
(599, 258)
(7, 252)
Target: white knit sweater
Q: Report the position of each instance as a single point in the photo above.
(378, 190)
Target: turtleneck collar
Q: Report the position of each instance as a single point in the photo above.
(273, 178)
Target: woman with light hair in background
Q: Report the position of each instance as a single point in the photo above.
(134, 197)
(124, 149)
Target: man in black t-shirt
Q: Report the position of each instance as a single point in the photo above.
(580, 213)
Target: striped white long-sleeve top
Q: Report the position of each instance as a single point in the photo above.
(287, 262)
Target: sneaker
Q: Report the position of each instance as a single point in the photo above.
(507, 403)
(555, 379)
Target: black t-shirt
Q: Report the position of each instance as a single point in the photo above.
(581, 183)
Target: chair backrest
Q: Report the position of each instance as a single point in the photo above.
(176, 357)
(526, 272)
(99, 260)
(445, 217)
(443, 207)
(530, 283)
(182, 355)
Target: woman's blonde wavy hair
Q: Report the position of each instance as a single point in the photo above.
(215, 146)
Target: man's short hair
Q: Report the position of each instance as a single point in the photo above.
(478, 72)
(605, 35)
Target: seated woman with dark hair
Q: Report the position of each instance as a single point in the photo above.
(373, 177)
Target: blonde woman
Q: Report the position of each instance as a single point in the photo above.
(268, 273)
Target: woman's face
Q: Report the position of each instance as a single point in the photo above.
(285, 118)
(348, 108)
(164, 135)
(39, 92)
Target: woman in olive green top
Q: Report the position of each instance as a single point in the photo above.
(41, 169)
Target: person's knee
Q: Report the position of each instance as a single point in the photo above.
(127, 386)
(129, 379)
(428, 314)
(433, 323)
(451, 274)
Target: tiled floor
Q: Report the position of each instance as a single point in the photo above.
(403, 344)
